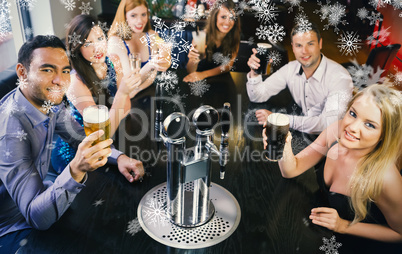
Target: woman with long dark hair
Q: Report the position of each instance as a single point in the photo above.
(221, 46)
(96, 79)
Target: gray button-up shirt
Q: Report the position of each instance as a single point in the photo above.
(26, 144)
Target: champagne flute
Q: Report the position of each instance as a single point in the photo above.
(135, 62)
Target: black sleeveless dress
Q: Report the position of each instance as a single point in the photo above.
(354, 244)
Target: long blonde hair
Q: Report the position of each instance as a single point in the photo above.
(119, 26)
(367, 180)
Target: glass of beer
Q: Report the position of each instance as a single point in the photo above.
(276, 130)
(262, 54)
(135, 62)
(96, 117)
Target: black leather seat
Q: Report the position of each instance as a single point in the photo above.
(8, 80)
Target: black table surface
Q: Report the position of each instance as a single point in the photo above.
(274, 210)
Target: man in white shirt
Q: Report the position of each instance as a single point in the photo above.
(319, 86)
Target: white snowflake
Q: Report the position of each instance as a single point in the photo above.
(10, 108)
(397, 77)
(275, 57)
(74, 39)
(21, 135)
(177, 99)
(5, 25)
(349, 43)
(397, 4)
(98, 202)
(57, 94)
(374, 17)
(172, 36)
(302, 23)
(221, 60)
(251, 41)
(333, 14)
(294, 3)
(69, 5)
(275, 33)
(364, 75)
(28, 31)
(51, 146)
(155, 213)
(240, 8)
(378, 37)
(133, 227)
(103, 26)
(27, 4)
(265, 11)
(85, 8)
(362, 13)
(8, 153)
(377, 3)
(330, 246)
(167, 80)
(104, 83)
(48, 106)
(200, 87)
(272, 33)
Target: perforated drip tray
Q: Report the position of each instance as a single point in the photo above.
(154, 221)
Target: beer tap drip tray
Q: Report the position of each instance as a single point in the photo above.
(154, 221)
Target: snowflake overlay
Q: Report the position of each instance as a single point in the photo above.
(275, 57)
(304, 25)
(364, 75)
(294, 3)
(21, 135)
(98, 202)
(397, 77)
(374, 18)
(198, 88)
(74, 39)
(330, 246)
(362, 13)
(133, 227)
(10, 108)
(378, 37)
(27, 4)
(69, 4)
(349, 43)
(5, 25)
(8, 153)
(222, 60)
(273, 33)
(177, 99)
(265, 11)
(85, 8)
(167, 80)
(173, 36)
(155, 213)
(333, 14)
(48, 106)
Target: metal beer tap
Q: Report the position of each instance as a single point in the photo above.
(189, 176)
(158, 113)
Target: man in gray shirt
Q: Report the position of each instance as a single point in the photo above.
(30, 115)
(319, 86)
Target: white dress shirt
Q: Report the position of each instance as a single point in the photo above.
(323, 97)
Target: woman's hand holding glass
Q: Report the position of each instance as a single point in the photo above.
(193, 55)
(130, 83)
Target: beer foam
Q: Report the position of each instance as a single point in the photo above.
(264, 45)
(95, 115)
(278, 119)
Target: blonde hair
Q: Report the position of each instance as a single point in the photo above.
(367, 180)
(119, 26)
